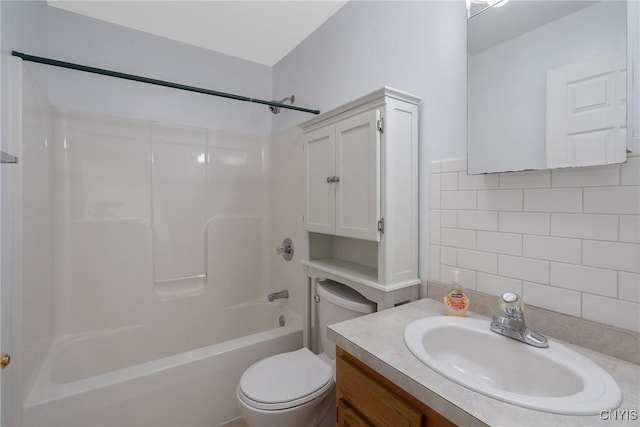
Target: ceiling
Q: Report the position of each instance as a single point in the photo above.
(498, 24)
(261, 31)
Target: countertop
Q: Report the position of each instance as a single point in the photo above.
(376, 340)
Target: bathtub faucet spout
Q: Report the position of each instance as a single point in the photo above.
(277, 295)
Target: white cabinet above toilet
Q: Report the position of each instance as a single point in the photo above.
(361, 202)
(343, 177)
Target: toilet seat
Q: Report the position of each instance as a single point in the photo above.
(285, 380)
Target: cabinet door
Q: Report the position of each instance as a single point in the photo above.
(319, 213)
(349, 417)
(358, 171)
(369, 397)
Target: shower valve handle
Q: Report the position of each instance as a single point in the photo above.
(286, 250)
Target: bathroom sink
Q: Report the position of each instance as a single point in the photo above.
(554, 379)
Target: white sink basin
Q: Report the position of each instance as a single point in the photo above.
(554, 379)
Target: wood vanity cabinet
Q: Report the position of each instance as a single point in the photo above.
(366, 398)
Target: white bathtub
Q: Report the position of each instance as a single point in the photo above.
(176, 373)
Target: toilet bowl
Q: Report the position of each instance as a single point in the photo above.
(296, 388)
(289, 389)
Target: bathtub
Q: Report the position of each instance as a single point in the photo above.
(174, 373)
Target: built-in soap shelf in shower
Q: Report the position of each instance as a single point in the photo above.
(7, 158)
(180, 287)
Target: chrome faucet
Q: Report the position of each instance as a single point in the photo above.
(512, 324)
(277, 295)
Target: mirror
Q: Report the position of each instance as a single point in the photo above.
(547, 85)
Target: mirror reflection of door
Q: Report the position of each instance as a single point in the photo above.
(586, 112)
(511, 106)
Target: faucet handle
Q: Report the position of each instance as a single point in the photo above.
(512, 305)
(286, 250)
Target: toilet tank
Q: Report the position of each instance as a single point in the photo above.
(338, 302)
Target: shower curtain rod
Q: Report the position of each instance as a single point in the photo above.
(101, 71)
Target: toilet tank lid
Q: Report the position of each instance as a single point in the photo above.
(344, 296)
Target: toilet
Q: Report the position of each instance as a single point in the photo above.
(297, 388)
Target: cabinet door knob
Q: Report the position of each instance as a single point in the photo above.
(4, 360)
(336, 179)
(329, 180)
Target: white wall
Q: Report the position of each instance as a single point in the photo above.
(417, 47)
(508, 109)
(420, 47)
(88, 41)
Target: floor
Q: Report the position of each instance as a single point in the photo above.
(238, 422)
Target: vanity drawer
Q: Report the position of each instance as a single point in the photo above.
(365, 397)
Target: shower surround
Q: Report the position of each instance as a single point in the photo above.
(134, 228)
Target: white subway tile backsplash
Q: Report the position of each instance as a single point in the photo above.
(551, 298)
(528, 179)
(630, 172)
(553, 200)
(458, 200)
(477, 182)
(630, 228)
(497, 285)
(435, 226)
(478, 261)
(629, 286)
(448, 255)
(500, 200)
(586, 176)
(449, 218)
(449, 181)
(458, 238)
(454, 165)
(524, 222)
(552, 248)
(623, 314)
(586, 279)
(523, 268)
(467, 277)
(434, 193)
(568, 240)
(478, 220)
(612, 200)
(586, 226)
(616, 256)
(434, 263)
(501, 243)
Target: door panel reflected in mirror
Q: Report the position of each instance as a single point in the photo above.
(547, 85)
